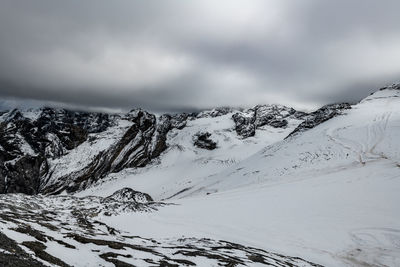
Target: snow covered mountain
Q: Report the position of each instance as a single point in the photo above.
(54, 150)
(266, 185)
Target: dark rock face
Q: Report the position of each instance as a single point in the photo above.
(321, 115)
(246, 122)
(202, 140)
(24, 175)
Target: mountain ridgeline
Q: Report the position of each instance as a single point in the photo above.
(38, 146)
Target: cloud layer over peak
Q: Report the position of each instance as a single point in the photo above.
(169, 55)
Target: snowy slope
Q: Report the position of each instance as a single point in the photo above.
(333, 218)
(183, 164)
(368, 132)
(329, 195)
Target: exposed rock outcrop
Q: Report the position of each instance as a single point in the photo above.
(244, 123)
(129, 195)
(202, 140)
(247, 121)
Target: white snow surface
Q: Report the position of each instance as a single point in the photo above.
(329, 195)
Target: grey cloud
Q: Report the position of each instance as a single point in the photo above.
(173, 55)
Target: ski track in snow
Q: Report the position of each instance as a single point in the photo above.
(364, 151)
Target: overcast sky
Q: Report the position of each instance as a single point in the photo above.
(174, 55)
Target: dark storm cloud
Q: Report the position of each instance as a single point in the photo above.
(196, 54)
